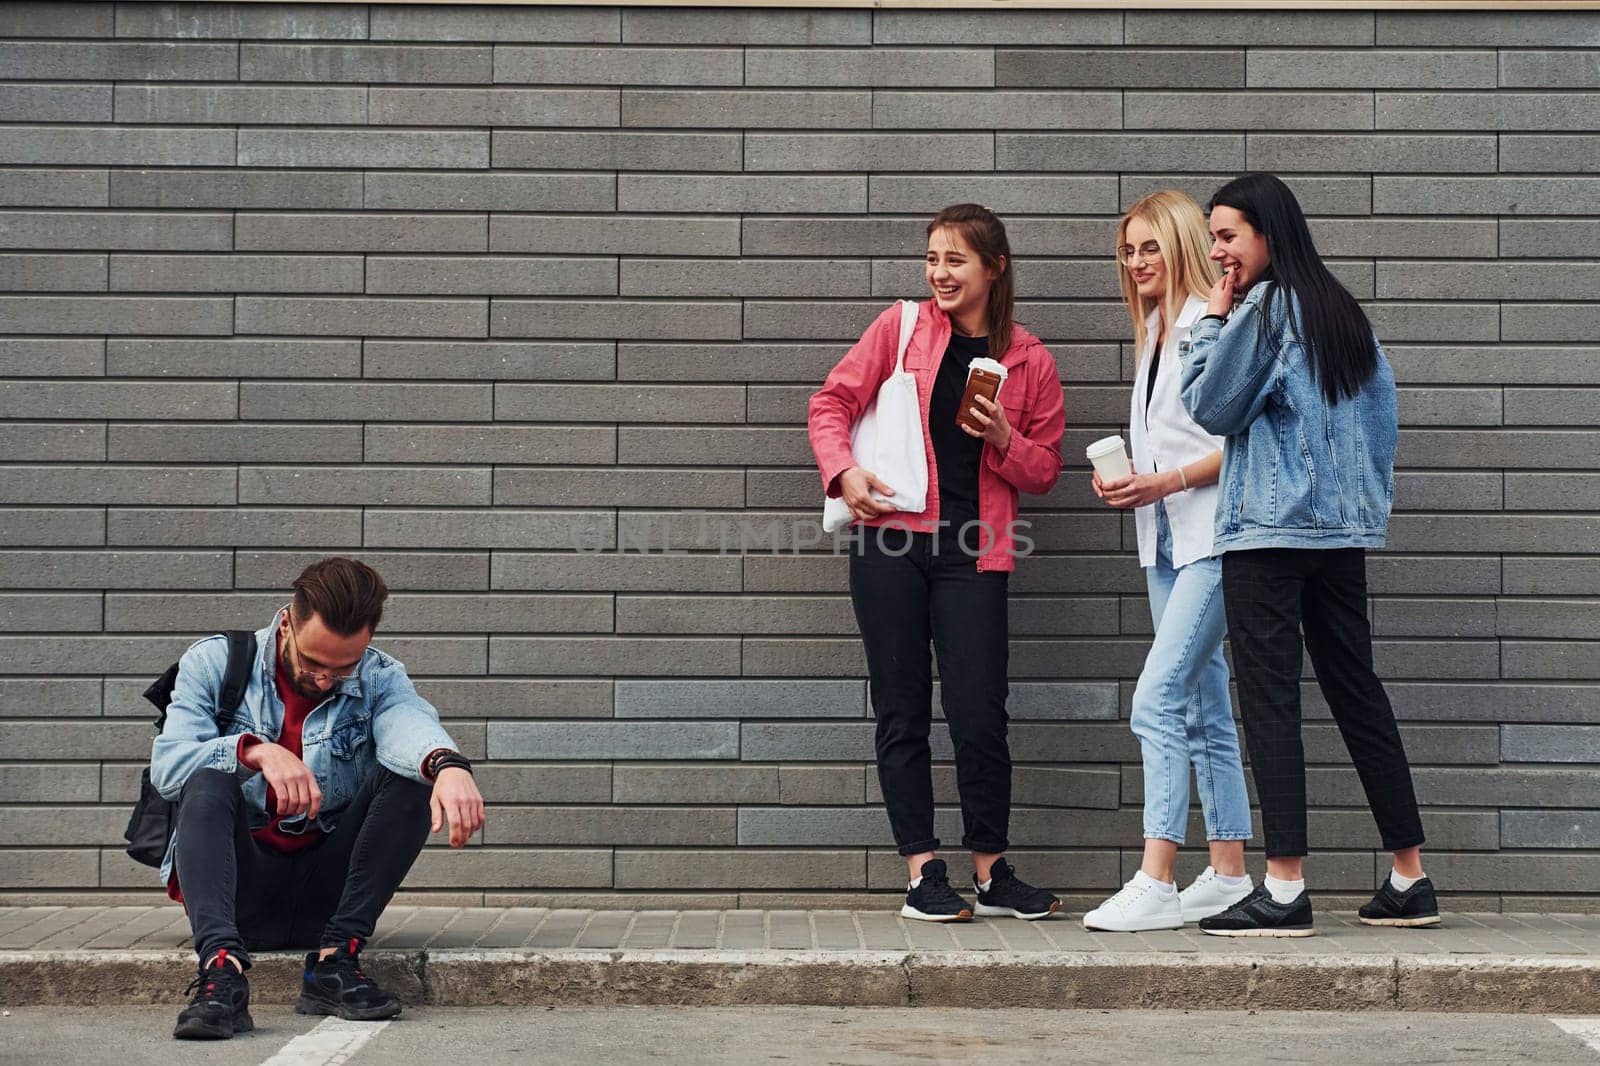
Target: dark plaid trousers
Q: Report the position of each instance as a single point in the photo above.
(1270, 594)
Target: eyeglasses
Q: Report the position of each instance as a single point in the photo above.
(310, 675)
(1149, 252)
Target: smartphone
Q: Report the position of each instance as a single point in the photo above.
(980, 382)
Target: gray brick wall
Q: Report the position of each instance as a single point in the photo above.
(463, 289)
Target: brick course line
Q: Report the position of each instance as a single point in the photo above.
(501, 274)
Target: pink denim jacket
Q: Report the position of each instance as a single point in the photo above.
(1031, 397)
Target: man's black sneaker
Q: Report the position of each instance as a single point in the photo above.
(1258, 914)
(221, 1003)
(933, 900)
(1009, 896)
(1414, 907)
(337, 986)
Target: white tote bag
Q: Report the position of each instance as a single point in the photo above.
(887, 439)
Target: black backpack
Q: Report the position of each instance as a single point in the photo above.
(150, 827)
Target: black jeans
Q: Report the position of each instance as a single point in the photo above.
(1270, 594)
(241, 895)
(905, 594)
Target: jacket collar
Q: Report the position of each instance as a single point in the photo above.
(1191, 312)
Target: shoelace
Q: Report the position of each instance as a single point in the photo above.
(206, 976)
(1008, 877)
(939, 888)
(351, 963)
(1127, 895)
(210, 984)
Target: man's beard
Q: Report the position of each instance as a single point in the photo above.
(306, 689)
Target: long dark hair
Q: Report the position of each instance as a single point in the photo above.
(985, 234)
(1334, 330)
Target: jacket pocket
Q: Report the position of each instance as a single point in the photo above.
(348, 738)
(1016, 399)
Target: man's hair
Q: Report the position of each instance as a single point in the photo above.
(346, 594)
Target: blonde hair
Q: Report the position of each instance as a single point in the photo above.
(1180, 231)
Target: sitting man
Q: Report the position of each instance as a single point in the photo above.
(300, 814)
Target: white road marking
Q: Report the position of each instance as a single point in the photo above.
(332, 1043)
(1585, 1029)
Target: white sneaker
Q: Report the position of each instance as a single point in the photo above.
(1139, 907)
(1207, 896)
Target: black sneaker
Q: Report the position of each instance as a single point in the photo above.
(1258, 914)
(1009, 896)
(221, 1003)
(337, 986)
(933, 900)
(1413, 908)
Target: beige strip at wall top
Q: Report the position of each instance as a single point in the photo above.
(1006, 5)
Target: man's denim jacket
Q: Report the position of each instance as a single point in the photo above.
(1297, 472)
(374, 718)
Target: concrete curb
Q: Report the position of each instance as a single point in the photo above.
(1106, 980)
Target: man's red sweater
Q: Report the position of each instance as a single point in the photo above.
(295, 709)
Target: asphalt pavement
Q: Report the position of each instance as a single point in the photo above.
(801, 1036)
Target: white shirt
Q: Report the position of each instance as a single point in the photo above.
(1170, 440)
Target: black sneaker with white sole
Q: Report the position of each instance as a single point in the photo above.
(933, 900)
(1258, 914)
(1009, 896)
(1412, 909)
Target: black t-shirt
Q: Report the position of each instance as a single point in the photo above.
(956, 454)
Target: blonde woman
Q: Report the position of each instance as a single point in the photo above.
(1181, 712)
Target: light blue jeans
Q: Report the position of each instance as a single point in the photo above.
(1181, 712)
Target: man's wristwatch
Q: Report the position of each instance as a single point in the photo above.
(444, 758)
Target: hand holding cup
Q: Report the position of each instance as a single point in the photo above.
(1139, 490)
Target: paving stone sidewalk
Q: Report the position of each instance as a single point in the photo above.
(156, 928)
(482, 956)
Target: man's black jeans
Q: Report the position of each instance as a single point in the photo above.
(906, 594)
(1270, 594)
(241, 895)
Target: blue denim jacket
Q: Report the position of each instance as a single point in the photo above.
(374, 718)
(1296, 472)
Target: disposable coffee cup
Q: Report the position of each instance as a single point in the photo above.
(1110, 458)
(991, 366)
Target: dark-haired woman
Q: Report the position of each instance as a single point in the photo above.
(941, 575)
(1293, 377)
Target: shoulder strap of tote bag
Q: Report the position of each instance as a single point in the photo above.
(908, 324)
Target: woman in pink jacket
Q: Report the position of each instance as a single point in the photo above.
(941, 575)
